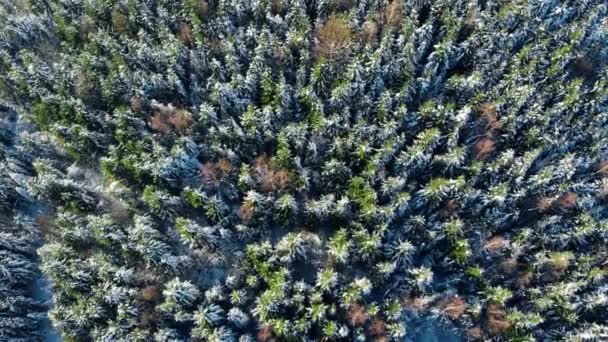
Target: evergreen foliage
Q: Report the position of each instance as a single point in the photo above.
(304, 170)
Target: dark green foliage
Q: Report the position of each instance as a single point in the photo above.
(305, 170)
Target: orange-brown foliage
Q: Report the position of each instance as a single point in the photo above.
(567, 201)
(264, 173)
(544, 204)
(224, 165)
(413, 303)
(270, 178)
(262, 165)
(185, 33)
(281, 179)
(159, 123)
(247, 210)
(392, 14)
(150, 293)
(475, 333)
(181, 121)
(213, 172)
(168, 118)
(488, 112)
(334, 38)
(602, 168)
(210, 172)
(495, 244)
(268, 182)
(369, 33)
(487, 109)
(496, 319)
(483, 148)
(453, 307)
(265, 334)
(357, 315)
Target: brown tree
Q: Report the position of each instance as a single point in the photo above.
(357, 315)
(334, 39)
(483, 148)
(453, 307)
(496, 320)
(392, 14)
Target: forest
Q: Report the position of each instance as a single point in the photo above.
(303, 170)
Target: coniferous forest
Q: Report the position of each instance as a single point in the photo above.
(303, 170)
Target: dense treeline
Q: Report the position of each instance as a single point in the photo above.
(295, 170)
(21, 312)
